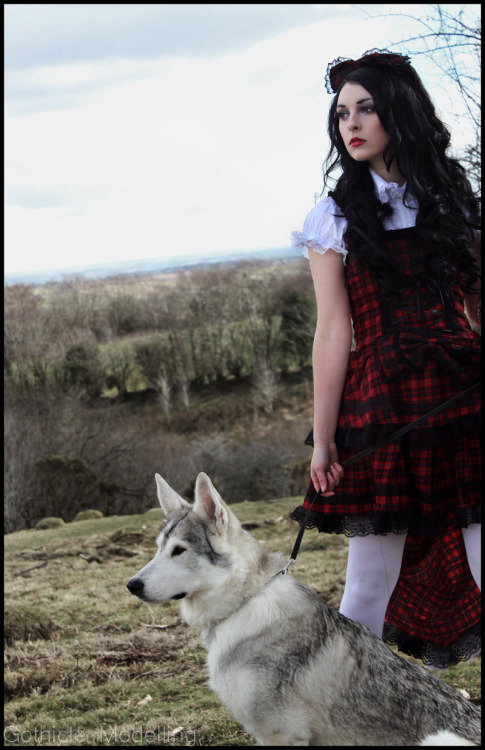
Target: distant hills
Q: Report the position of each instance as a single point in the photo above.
(148, 265)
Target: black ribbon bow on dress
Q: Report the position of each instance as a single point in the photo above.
(405, 351)
(341, 67)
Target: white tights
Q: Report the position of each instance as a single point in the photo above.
(373, 570)
(472, 536)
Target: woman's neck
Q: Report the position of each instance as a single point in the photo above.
(391, 175)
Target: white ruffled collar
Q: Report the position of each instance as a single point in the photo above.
(387, 191)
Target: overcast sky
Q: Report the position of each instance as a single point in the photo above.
(139, 131)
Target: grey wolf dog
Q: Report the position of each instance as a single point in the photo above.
(289, 668)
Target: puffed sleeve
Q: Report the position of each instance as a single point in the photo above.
(323, 229)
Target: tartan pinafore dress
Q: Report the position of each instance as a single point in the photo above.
(412, 353)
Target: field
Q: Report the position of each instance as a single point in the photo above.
(107, 381)
(86, 663)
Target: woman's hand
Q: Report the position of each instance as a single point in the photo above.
(326, 472)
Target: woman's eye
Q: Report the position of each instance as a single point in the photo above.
(366, 110)
(178, 551)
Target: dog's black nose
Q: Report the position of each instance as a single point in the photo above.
(135, 586)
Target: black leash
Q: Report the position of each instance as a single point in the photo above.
(390, 438)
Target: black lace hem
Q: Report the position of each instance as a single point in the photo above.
(358, 438)
(380, 522)
(466, 647)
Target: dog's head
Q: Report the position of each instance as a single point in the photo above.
(194, 547)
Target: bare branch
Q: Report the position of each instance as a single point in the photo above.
(452, 40)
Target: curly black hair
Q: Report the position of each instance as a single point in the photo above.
(448, 212)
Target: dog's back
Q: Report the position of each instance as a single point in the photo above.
(288, 666)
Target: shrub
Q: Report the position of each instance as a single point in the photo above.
(86, 515)
(49, 523)
(81, 369)
(23, 623)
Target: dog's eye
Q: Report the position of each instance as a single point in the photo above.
(178, 550)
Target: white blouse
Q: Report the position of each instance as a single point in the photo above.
(324, 226)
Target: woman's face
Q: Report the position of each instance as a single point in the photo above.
(363, 135)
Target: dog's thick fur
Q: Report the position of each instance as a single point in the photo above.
(291, 670)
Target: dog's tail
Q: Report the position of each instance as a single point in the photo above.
(444, 739)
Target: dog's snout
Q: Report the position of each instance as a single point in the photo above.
(135, 586)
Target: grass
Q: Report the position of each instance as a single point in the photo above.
(87, 663)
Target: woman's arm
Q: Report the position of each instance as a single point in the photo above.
(331, 348)
(472, 305)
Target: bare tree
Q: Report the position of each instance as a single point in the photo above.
(241, 471)
(164, 388)
(265, 382)
(450, 35)
(183, 385)
(31, 336)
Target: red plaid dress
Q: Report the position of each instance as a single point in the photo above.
(411, 355)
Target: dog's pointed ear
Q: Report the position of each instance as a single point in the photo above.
(170, 501)
(210, 507)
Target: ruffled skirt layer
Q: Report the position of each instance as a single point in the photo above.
(427, 484)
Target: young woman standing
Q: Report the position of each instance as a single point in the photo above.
(394, 252)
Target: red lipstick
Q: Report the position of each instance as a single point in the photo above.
(356, 141)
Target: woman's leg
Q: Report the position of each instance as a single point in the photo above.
(372, 573)
(473, 547)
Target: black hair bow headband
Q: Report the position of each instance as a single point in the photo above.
(341, 67)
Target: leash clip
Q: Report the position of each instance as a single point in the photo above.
(285, 569)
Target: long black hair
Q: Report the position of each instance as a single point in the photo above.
(448, 212)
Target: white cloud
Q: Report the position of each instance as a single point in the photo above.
(118, 159)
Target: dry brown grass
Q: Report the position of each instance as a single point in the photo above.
(104, 668)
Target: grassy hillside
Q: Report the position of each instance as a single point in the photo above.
(87, 663)
(108, 381)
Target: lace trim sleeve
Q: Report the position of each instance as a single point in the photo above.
(323, 230)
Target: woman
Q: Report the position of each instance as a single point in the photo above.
(394, 248)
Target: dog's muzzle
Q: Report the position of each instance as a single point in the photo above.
(136, 586)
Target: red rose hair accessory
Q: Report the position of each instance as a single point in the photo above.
(341, 67)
